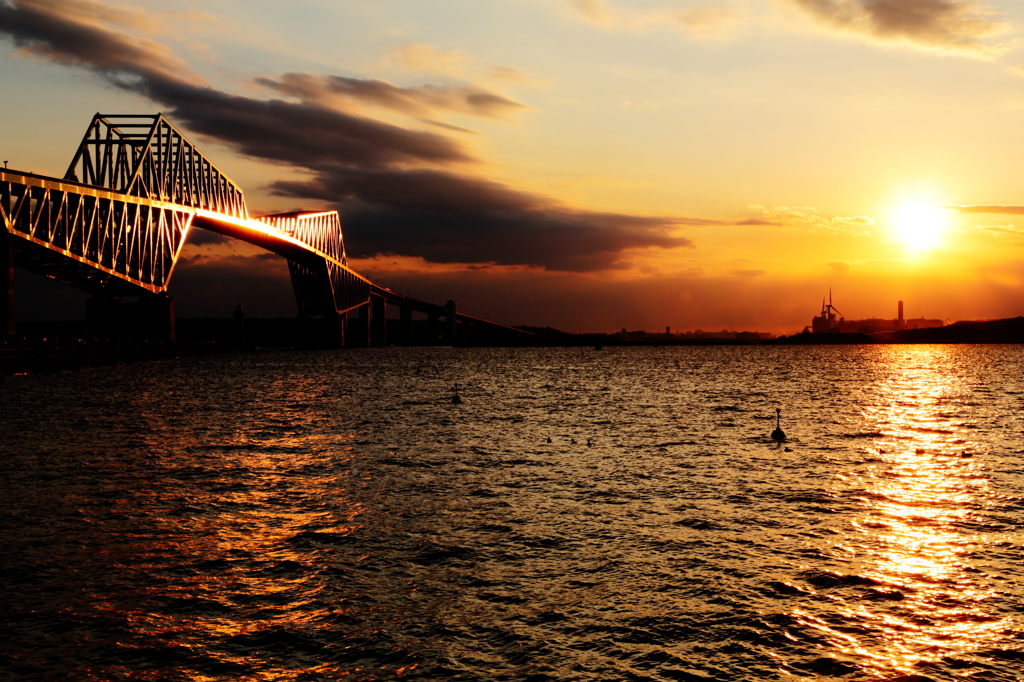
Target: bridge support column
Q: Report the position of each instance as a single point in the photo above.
(405, 326)
(451, 320)
(359, 328)
(379, 330)
(8, 326)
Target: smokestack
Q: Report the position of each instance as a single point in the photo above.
(900, 315)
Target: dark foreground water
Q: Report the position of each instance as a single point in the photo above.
(326, 516)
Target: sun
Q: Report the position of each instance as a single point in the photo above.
(919, 226)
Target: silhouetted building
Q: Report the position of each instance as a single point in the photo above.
(831, 321)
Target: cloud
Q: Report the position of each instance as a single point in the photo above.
(419, 101)
(507, 73)
(594, 10)
(451, 218)
(395, 187)
(709, 22)
(74, 33)
(699, 22)
(991, 209)
(429, 59)
(299, 134)
(946, 25)
(1009, 232)
(808, 218)
(839, 266)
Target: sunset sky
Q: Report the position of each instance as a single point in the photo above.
(583, 164)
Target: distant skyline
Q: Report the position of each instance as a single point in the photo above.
(582, 164)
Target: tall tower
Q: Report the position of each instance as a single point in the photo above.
(899, 318)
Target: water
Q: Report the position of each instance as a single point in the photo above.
(325, 516)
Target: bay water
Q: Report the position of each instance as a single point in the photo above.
(616, 514)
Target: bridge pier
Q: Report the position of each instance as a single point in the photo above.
(8, 321)
(379, 322)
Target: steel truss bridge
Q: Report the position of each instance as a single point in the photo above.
(116, 223)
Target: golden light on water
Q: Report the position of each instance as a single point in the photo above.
(919, 595)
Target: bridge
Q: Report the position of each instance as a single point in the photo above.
(115, 224)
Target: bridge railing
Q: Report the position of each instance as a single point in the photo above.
(145, 156)
(320, 230)
(91, 238)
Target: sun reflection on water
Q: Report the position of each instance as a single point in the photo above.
(920, 597)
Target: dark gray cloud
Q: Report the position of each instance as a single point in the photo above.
(450, 218)
(70, 32)
(418, 101)
(395, 187)
(297, 134)
(947, 24)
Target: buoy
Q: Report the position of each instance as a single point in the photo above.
(456, 400)
(778, 435)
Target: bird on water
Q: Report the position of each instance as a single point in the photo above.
(778, 435)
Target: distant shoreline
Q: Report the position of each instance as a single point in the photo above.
(37, 353)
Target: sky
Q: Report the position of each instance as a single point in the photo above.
(588, 165)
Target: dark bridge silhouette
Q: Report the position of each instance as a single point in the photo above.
(115, 225)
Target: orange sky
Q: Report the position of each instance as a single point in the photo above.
(587, 164)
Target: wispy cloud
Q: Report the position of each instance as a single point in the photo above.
(991, 209)
(1006, 232)
(808, 218)
(701, 22)
(709, 22)
(962, 26)
(429, 59)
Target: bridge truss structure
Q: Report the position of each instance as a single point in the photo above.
(115, 225)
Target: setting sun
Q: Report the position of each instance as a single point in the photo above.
(918, 226)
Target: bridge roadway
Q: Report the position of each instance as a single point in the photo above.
(116, 224)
